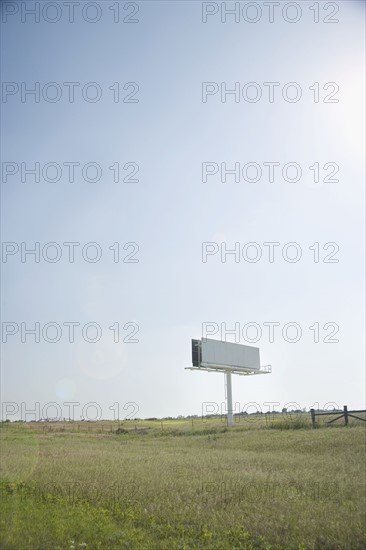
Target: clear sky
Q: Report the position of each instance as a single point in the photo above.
(173, 128)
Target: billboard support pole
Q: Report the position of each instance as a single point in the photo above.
(229, 399)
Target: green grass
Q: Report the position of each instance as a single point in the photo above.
(179, 486)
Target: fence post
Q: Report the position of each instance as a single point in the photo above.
(345, 415)
(312, 411)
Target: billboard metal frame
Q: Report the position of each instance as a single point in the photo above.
(241, 371)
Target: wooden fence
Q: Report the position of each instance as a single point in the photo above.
(345, 414)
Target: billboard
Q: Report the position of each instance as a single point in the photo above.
(215, 353)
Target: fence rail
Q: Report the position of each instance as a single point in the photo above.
(345, 414)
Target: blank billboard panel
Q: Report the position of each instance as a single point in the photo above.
(227, 354)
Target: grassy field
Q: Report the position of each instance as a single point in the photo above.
(183, 484)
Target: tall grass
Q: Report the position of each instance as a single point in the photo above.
(212, 488)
